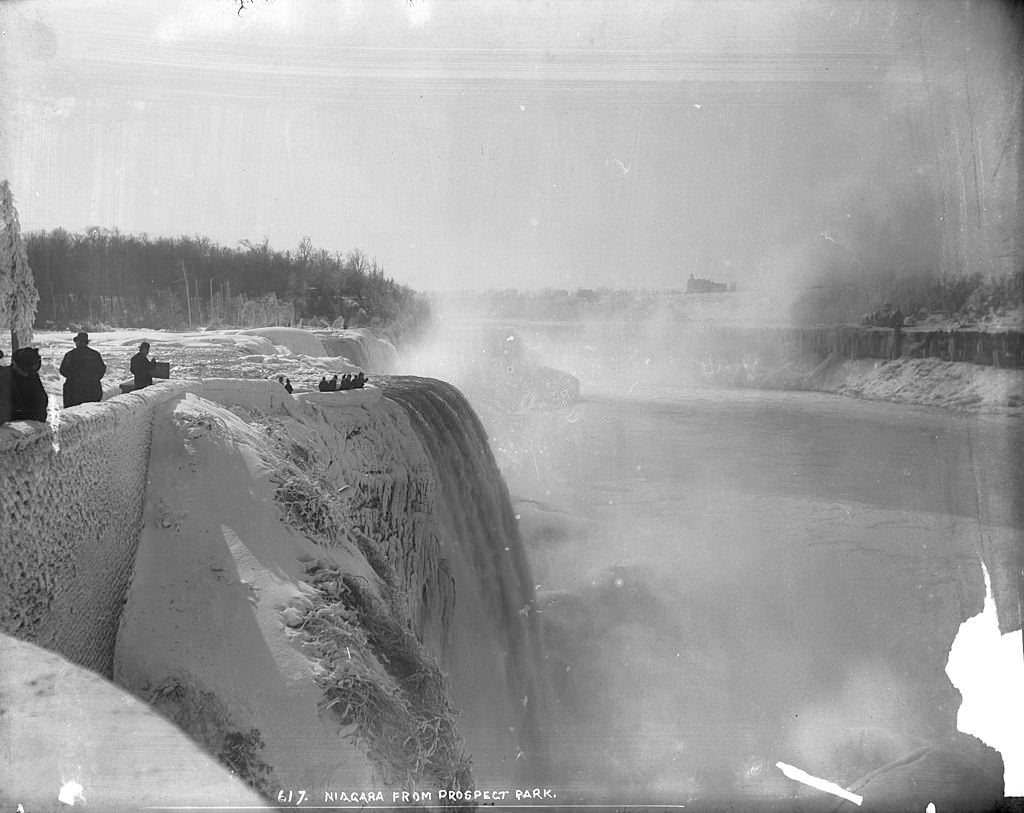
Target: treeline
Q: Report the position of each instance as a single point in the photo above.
(105, 278)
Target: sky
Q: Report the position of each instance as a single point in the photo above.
(486, 144)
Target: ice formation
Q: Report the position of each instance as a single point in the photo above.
(268, 529)
(296, 340)
(362, 348)
(66, 727)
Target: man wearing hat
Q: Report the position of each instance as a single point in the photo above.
(83, 368)
(142, 367)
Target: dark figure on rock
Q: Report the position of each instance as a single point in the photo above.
(83, 368)
(28, 398)
(346, 382)
(352, 382)
(288, 385)
(142, 367)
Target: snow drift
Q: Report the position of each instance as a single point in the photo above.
(302, 558)
(103, 747)
(305, 574)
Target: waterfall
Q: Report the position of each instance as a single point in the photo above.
(353, 351)
(367, 351)
(491, 571)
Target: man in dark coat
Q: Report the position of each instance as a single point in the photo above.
(28, 398)
(142, 367)
(83, 368)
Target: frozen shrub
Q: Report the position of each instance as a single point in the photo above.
(206, 720)
(377, 678)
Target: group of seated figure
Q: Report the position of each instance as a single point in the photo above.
(347, 382)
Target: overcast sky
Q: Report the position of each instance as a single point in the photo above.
(521, 144)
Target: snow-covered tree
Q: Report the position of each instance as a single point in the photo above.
(18, 294)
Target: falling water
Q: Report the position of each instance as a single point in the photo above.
(475, 509)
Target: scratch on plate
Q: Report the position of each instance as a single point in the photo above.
(820, 784)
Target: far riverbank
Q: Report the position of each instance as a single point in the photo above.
(965, 369)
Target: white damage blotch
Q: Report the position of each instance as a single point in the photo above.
(988, 669)
(70, 793)
(821, 784)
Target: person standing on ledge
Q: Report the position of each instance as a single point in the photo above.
(83, 368)
(142, 367)
(28, 398)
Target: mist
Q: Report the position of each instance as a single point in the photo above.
(726, 578)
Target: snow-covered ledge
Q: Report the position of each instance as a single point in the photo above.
(71, 494)
(364, 396)
(72, 736)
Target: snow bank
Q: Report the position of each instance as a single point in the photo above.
(101, 739)
(298, 341)
(254, 496)
(250, 501)
(957, 369)
(202, 634)
(927, 381)
(950, 384)
(71, 498)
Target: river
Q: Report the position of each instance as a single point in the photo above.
(732, 578)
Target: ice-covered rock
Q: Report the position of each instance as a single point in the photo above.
(360, 346)
(65, 727)
(295, 339)
(275, 527)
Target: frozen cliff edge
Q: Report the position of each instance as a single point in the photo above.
(359, 346)
(310, 586)
(309, 573)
